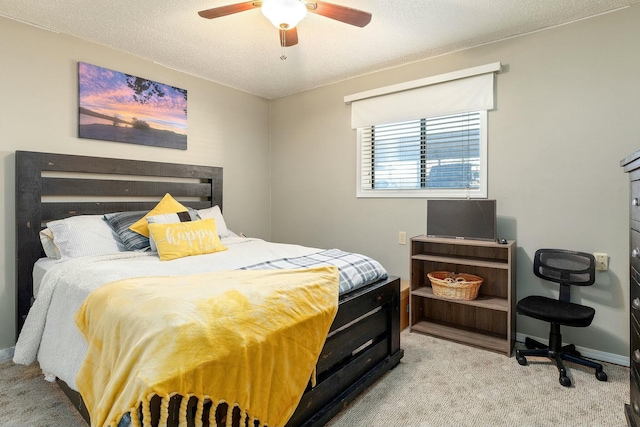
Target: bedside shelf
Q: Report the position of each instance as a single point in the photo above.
(483, 262)
(489, 302)
(489, 320)
(480, 339)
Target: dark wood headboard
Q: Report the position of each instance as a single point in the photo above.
(55, 186)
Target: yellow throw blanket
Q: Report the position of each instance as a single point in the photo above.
(250, 339)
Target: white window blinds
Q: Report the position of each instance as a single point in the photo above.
(436, 153)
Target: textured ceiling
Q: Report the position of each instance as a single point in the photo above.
(243, 50)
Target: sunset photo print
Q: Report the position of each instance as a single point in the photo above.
(114, 106)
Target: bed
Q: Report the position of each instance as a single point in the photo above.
(363, 341)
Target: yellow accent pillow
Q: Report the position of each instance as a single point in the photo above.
(166, 206)
(183, 239)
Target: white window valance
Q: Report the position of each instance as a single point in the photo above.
(460, 91)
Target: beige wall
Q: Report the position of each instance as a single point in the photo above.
(567, 113)
(38, 112)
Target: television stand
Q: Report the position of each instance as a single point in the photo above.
(489, 320)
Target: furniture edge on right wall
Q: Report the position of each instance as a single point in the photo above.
(487, 321)
(631, 165)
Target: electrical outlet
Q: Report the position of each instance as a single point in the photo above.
(602, 261)
(402, 237)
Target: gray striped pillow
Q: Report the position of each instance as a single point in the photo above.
(120, 223)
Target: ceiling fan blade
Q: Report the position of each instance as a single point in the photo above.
(289, 37)
(344, 14)
(217, 12)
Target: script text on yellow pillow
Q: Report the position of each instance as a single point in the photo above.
(182, 239)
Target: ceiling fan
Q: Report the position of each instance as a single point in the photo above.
(285, 14)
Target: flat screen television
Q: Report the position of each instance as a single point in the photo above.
(473, 219)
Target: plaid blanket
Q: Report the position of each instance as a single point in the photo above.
(355, 270)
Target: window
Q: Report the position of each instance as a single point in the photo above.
(426, 137)
(431, 157)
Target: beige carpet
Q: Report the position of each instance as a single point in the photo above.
(441, 383)
(438, 383)
(27, 400)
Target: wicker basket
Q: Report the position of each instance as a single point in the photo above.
(460, 286)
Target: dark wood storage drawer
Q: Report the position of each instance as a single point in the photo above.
(634, 410)
(634, 294)
(634, 212)
(635, 345)
(634, 254)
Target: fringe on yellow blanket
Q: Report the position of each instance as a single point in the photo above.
(145, 409)
(248, 339)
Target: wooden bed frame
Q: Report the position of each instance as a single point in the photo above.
(364, 339)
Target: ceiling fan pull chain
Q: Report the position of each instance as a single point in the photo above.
(283, 43)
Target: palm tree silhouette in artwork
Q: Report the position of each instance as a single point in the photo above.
(145, 89)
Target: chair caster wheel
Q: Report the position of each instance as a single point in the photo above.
(565, 381)
(601, 376)
(521, 360)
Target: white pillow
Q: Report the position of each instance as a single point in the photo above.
(50, 248)
(215, 213)
(84, 235)
(170, 218)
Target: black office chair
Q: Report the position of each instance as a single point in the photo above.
(566, 268)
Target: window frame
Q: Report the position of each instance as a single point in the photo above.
(463, 193)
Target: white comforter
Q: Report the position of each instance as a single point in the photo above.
(50, 334)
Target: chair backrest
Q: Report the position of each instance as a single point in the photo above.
(565, 267)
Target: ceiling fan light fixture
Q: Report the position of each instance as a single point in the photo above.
(284, 14)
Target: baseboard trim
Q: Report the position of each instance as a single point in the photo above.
(587, 352)
(6, 353)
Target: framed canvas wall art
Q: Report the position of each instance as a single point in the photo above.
(115, 106)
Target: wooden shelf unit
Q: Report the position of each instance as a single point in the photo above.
(488, 321)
